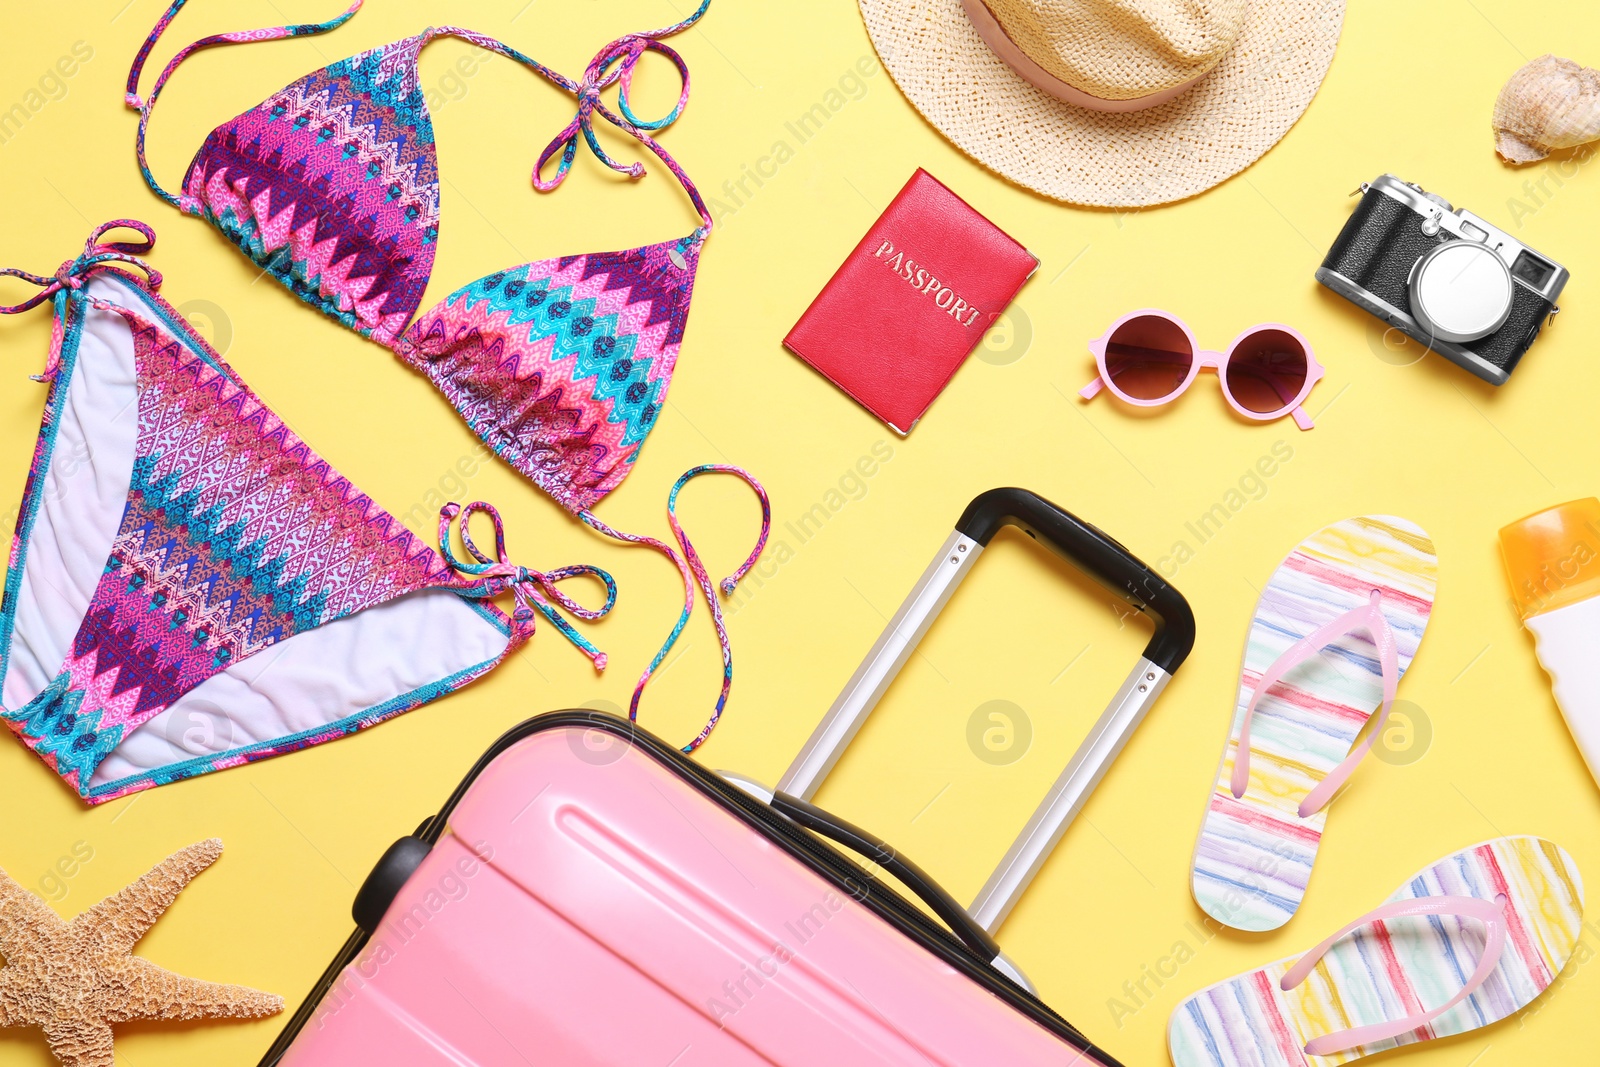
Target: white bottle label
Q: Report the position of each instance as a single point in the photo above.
(1569, 649)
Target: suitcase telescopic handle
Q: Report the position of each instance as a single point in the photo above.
(1100, 557)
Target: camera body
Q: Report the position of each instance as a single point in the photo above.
(1446, 278)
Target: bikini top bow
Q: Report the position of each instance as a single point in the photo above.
(72, 274)
(614, 65)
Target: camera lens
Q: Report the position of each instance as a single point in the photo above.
(1460, 291)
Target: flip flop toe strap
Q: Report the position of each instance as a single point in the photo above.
(1490, 912)
(1368, 617)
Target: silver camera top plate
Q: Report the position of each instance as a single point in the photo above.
(1530, 269)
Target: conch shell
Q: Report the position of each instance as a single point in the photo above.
(1550, 103)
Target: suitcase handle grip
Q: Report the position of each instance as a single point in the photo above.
(880, 852)
(1096, 554)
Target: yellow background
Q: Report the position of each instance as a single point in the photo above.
(1410, 92)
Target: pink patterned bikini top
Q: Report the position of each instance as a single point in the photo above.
(331, 185)
(561, 366)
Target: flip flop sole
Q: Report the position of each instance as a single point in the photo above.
(1391, 969)
(1253, 858)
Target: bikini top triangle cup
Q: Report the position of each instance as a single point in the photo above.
(331, 185)
(561, 366)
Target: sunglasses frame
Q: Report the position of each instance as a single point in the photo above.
(1202, 359)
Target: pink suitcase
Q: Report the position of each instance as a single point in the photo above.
(590, 896)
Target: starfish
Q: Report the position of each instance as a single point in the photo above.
(74, 980)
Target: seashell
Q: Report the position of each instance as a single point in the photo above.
(1548, 104)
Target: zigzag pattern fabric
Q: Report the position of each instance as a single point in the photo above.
(562, 366)
(173, 528)
(277, 181)
(331, 185)
(235, 536)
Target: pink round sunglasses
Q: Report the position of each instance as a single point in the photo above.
(1148, 358)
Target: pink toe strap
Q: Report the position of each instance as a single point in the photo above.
(1368, 617)
(1490, 913)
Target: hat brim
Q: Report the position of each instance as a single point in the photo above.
(1133, 159)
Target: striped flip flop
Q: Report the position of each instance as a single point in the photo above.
(1333, 633)
(1478, 935)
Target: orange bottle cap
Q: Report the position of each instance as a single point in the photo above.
(1553, 556)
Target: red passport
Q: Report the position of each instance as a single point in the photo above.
(911, 302)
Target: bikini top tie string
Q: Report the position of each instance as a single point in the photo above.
(693, 571)
(145, 104)
(72, 275)
(488, 577)
(614, 65)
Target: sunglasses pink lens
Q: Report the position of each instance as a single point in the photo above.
(1267, 371)
(1148, 358)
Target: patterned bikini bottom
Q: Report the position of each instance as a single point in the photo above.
(191, 587)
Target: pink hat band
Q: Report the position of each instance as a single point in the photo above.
(994, 35)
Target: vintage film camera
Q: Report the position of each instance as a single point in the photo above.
(1465, 289)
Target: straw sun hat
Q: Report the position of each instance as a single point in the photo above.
(1113, 103)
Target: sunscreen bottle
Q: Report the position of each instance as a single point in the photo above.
(1553, 560)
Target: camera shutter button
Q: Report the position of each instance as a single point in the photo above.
(1460, 291)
